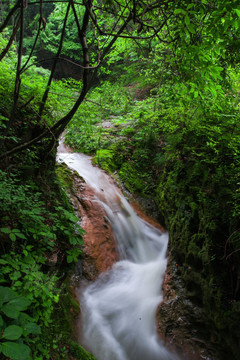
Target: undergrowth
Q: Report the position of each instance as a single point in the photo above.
(41, 239)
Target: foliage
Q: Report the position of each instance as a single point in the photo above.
(34, 231)
(15, 325)
(86, 131)
(50, 38)
(167, 120)
(184, 147)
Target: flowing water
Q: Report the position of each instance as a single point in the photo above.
(119, 308)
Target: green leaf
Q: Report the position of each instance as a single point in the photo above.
(20, 303)
(6, 294)
(12, 332)
(191, 28)
(179, 11)
(15, 351)
(6, 230)
(10, 311)
(73, 240)
(1, 321)
(213, 92)
(16, 275)
(32, 328)
(237, 12)
(219, 68)
(187, 20)
(12, 237)
(3, 262)
(20, 235)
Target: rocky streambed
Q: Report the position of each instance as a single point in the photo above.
(180, 325)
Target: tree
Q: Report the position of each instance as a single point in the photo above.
(187, 27)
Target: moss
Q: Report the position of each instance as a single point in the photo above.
(64, 175)
(105, 159)
(132, 178)
(79, 352)
(197, 240)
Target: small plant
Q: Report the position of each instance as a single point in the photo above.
(16, 326)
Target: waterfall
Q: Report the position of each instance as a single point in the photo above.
(119, 308)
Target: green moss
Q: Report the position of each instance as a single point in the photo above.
(64, 175)
(132, 178)
(79, 352)
(105, 159)
(197, 241)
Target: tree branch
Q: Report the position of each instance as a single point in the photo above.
(11, 13)
(5, 51)
(45, 95)
(36, 38)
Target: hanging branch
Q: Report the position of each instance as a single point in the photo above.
(83, 40)
(17, 79)
(45, 95)
(40, 22)
(63, 59)
(5, 51)
(11, 13)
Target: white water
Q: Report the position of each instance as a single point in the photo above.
(119, 309)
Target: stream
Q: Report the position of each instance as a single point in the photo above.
(119, 308)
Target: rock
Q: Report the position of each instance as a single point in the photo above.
(99, 246)
(181, 323)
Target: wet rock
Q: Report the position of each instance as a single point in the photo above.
(99, 246)
(181, 323)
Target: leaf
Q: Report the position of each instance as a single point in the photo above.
(191, 28)
(213, 92)
(179, 11)
(6, 294)
(237, 12)
(187, 20)
(20, 235)
(6, 230)
(12, 237)
(16, 275)
(73, 240)
(10, 311)
(32, 328)
(1, 321)
(26, 352)
(20, 303)
(12, 332)
(15, 351)
(190, 6)
(3, 262)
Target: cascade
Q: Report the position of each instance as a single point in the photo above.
(119, 308)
